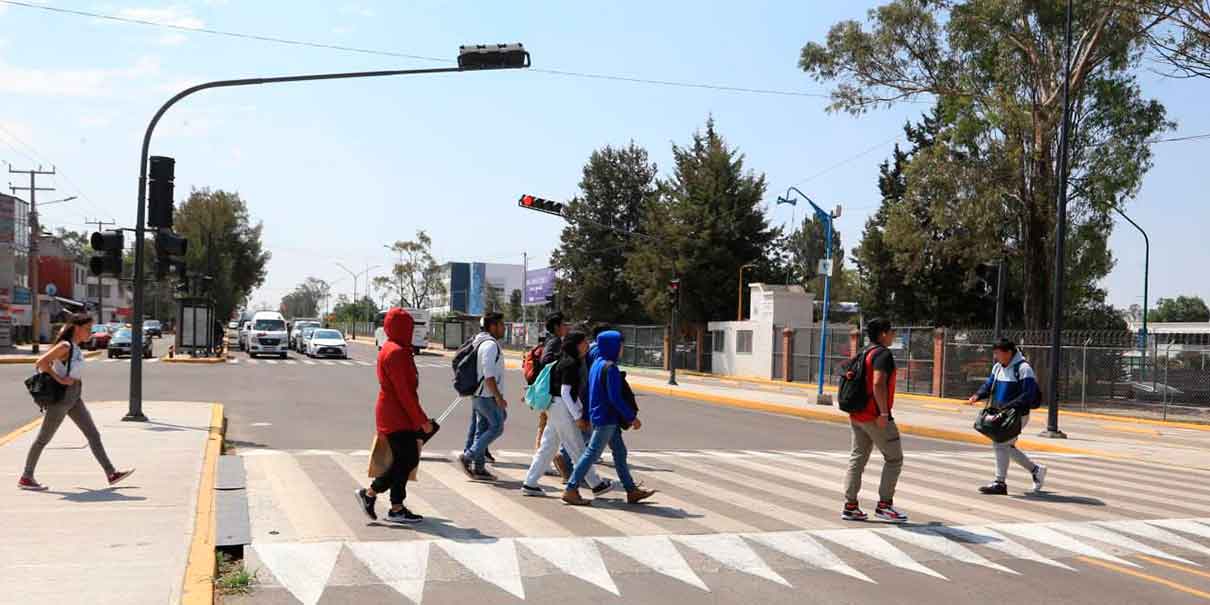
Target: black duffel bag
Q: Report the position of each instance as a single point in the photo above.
(999, 425)
(45, 389)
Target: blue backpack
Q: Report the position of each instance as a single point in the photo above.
(537, 395)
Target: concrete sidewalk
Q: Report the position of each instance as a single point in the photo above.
(84, 542)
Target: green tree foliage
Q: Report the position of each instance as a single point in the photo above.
(514, 310)
(224, 243)
(345, 311)
(615, 186)
(988, 180)
(1185, 44)
(706, 221)
(801, 252)
(493, 300)
(305, 299)
(76, 243)
(416, 276)
(1181, 308)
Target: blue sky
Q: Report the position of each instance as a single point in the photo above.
(335, 170)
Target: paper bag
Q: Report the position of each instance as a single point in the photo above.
(381, 458)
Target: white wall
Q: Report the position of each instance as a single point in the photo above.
(728, 362)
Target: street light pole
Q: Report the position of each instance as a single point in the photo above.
(473, 58)
(1146, 269)
(827, 218)
(1056, 311)
(739, 296)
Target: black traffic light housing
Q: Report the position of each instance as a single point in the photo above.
(492, 56)
(674, 291)
(109, 244)
(168, 243)
(162, 172)
(530, 202)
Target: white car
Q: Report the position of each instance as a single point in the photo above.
(242, 336)
(420, 329)
(296, 330)
(327, 343)
(268, 335)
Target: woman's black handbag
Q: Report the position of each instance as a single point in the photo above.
(999, 425)
(45, 389)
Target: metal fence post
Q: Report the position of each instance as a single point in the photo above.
(1084, 378)
(1167, 364)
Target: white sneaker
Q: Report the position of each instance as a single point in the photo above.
(1039, 477)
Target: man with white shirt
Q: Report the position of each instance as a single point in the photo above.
(489, 404)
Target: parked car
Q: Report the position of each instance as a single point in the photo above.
(296, 330)
(327, 343)
(120, 343)
(242, 337)
(99, 338)
(301, 347)
(268, 335)
(152, 327)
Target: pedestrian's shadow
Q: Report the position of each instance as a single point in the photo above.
(651, 508)
(1060, 499)
(441, 528)
(109, 494)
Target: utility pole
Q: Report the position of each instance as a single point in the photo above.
(524, 289)
(100, 279)
(1001, 276)
(34, 231)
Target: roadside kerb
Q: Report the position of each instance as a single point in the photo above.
(198, 583)
(202, 360)
(30, 359)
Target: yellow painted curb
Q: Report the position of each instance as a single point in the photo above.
(838, 418)
(21, 430)
(22, 359)
(198, 587)
(193, 359)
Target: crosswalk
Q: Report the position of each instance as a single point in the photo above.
(770, 516)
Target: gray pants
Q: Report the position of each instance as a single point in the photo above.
(72, 407)
(867, 435)
(1008, 450)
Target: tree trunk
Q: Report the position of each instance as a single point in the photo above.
(1035, 251)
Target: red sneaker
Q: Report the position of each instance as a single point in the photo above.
(117, 476)
(28, 484)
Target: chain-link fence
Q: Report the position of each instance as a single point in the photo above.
(1101, 370)
(913, 349)
(643, 346)
(804, 362)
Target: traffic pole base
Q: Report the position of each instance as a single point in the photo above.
(1055, 434)
(140, 417)
(824, 399)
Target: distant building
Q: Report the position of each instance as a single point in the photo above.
(468, 284)
(745, 348)
(15, 298)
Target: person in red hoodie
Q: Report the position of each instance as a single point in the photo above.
(400, 419)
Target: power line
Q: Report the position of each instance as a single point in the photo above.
(415, 57)
(849, 159)
(41, 158)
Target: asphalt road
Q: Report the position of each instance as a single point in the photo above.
(300, 424)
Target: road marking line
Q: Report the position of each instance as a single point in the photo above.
(944, 408)
(504, 507)
(302, 568)
(328, 363)
(359, 472)
(997, 541)
(1151, 532)
(1102, 534)
(732, 551)
(271, 362)
(290, 362)
(800, 545)
(1188, 526)
(623, 522)
(494, 562)
(1122, 428)
(658, 553)
(308, 362)
(21, 430)
(577, 557)
(928, 539)
(401, 565)
(1176, 566)
(1045, 535)
(1150, 578)
(346, 363)
(868, 543)
(233, 360)
(253, 361)
(365, 363)
(300, 499)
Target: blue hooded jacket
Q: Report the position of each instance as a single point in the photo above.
(605, 403)
(1015, 386)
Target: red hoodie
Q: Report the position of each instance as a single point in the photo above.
(398, 407)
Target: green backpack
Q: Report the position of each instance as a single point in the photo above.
(537, 395)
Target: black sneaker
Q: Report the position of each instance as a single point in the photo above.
(995, 488)
(481, 474)
(465, 463)
(602, 488)
(487, 455)
(366, 503)
(403, 517)
(852, 512)
(531, 491)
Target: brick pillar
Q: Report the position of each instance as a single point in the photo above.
(667, 349)
(938, 362)
(701, 342)
(854, 342)
(787, 354)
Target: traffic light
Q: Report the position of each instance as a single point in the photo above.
(159, 191)
(168, 243)
(674, 291)
(530, 202)
(492, 56)
(109, 244)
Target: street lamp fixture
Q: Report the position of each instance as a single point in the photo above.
(826, 269)
(480, 57)
(739, 301)
(66, 199)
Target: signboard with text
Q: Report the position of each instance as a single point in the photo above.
(539, 284)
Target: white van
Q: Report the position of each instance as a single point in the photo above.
(420, 329)
(268, 335)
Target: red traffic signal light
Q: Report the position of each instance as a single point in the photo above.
(531, 202)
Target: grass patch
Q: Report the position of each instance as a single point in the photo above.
(233, 578)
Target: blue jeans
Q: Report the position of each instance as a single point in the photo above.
(489, 428)
(602, 436)
(472, 429)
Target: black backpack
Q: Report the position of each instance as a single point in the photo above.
(852, 395)
(466, 367)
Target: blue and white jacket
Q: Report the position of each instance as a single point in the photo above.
(1012, 386)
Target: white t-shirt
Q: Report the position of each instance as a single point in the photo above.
(77, 364)
(491, 364)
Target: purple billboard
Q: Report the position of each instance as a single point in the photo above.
(539, 284)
